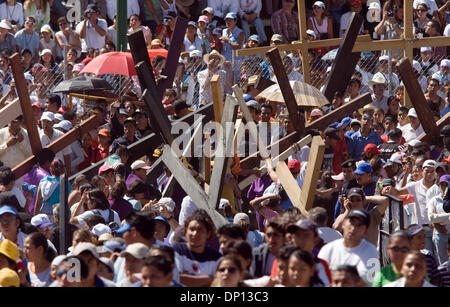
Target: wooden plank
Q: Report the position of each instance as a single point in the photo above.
(440, 124)
(345, 61)
(312, 171)
(207, 159)
(64, 230)
(283, 156)
(217, 94)
(290, 185)
(223, 145)
(176, 45)
(25, 103)
(263, 83)
(419, 102)
(304, 39)
(286, 90)
(11, 111)
(138, 49)
(190, 185)
(59, 144)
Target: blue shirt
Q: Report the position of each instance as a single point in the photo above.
(357, 142)
(27, 41)
(227, 51)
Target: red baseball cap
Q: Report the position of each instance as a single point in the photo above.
(86, 61)
(37, 104)
(372, 149)
(62, 109)
(446, 159)
(294, 166)
(356, 2)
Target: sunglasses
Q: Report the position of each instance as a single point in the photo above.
(399, 249)
(422, 10)
(230, 270)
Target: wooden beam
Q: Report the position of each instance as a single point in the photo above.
(291, 187)
(140, 54)
(286, 89)
(217, 94)
(10, 111)
(190, 185)
(345, 61)
(68, 138)
(263, 83)
(223, 145)
(64, 230)
(176, 45)
(312, 172)
(25, 103)
(440, 124)
(419, 102)
(304, 39)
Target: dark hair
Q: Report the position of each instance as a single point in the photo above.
(233, 258)
(268, 106)
(53, 98)
(45, 155)
(56, 168)
(27, 228)
(143, 223)
(318, 215)
(101, 202)
(350, 269)
(286, 251)
(403, 109)
(156, 60)
(94, 219)
(136, 187)
(169, 91)
(238, 247)
(96, 180)
(307, 258)
(161, 263)
(38, 239)
(233, 231)
(26, 51)
(354, 80)
(436, 25)
(84, 268)
(86, 187)
(201, 216)
(417, 254)
(276, 224)
(78, 179)
(6, 177)
(166, 249)
(118, 190)
(122, 151)
(399, 234)
(339, 94)
(109, 43)
(69, 115)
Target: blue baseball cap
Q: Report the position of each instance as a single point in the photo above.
(217, 31)
(8, 209)
(125, 227)
(113, 246)
(192, 23)
(160, 218)
(363, 168)
(349, 134)
(333, 125)
(248, 97)
(344, 122)
(254, 37)
(231, 15)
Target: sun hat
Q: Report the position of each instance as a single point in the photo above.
(9, 278)
(40, 221)
(203, 18)
(9, 249)
(216, 54)
(138, 164)
(137, 250)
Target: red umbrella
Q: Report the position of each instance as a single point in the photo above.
(159, 51)
(111, 63)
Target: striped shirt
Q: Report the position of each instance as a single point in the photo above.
(192, 263)
(444, 274)
(432, 265)
(285, 25)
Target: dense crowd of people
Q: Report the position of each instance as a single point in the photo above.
(126, 234)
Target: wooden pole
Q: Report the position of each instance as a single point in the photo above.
(64, 231)
(304, 39)
(25, 103)
(217, 94)
(408, 33)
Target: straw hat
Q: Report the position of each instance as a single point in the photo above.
(377, 79)
(214, 53)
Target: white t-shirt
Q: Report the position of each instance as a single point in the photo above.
(410, 134)
(447, 30)
(45, 140)
(92, 39)
(400, 283)
(187, 208)
(12, 12)
(104, 213)
(419, 191)
(364, 257)
(196, 45)
(436, 212)
(345, 19)
(328, 234)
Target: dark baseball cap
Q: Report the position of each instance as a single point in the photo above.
(360, 214)
(349, 163)
(180, 105)
(396, 132)
(356, 192)
(445, 131)
(332, 133)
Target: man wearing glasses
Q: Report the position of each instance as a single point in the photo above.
(27, 38)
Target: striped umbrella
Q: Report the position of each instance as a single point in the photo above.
(305, 94)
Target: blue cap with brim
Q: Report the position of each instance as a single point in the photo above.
(7, 209)
(363, 168)
(125, 227)
(333, 125)
(344, 122)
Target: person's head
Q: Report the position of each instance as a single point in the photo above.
(433, 86)
(301, 268)
(416, 234)
(118, 191)
(253, 41)
(229, 272)
(429, 171)
(432, 28)
(53, 103)
(129, 127)
(156, 272)
(318, 9)
(366, 121)
(398, 247)
(162, 228)
(181, 108)
(363, 174)
(141, 119)
(135, 22)
(88, 252)
(104, 137)
(97, 200)
(402, 116)
(389, 124)
(43, 223)
(348, 169)
(378, 115)
(140, 169)
(9, 222)
(123, 152)
(354, 87)
(288, 4)
(198, 228)
(134, 255)
(345, 276)
(9, 254)
(231, 20)
(331, 137)
(36, 248)
(355, 227)
(356, 6)
(275, 235)
(338, 100)
(302, 234)
(266, 112)
(7, 179)
(137, 190)
(393, 105)
(319, 216)
(240, 249)
(81, 235)
(414, 268)
(65, 275)
(422, 10)
(56, 168)
(30, 23)
(230, 232)
(139, 227)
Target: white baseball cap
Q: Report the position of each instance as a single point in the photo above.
(137, 250)
(40, 220)
(139, 164)
(426, 49)
(48, 116)
(100, 229)
(312, 33)
(429, 163)
(196, 53)
(58, 116)
(412, 112)
(445, 63)
(397, 157)
(223, 203)
(241, 216)
(320, 4)
(168, 202)
(383, 58)
(85, 247)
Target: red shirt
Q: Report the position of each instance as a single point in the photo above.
(338, 158)
(100, 153)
